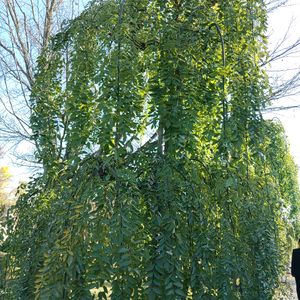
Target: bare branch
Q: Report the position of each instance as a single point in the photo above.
(26, 27)
(275, 4)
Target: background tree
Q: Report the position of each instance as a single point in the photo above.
(282, 64)
(6, 200)
(4, 180)
(26, 27)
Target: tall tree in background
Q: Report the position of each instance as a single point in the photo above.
(161, 179)
(5, 203)
(284, 71)
(4, 180)
(4, 193)
(25, 29)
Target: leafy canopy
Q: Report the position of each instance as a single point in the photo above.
(161, 179)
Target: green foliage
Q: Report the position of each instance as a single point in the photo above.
(202, 209)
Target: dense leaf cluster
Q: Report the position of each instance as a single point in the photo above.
(161, 179)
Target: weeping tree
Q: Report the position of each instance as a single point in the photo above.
(160, 178)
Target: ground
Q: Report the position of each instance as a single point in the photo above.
(291, 281)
